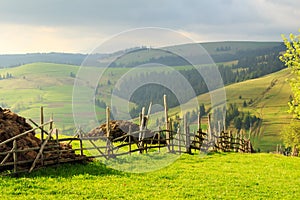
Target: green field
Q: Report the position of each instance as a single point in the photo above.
(215, 176)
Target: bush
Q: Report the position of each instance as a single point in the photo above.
(291, 136)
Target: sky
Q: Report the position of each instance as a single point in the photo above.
(79, 26)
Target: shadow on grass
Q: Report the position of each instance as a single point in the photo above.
(66, 170)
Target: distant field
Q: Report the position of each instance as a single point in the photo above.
(216, 176)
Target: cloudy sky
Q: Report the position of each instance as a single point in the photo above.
(81, 25)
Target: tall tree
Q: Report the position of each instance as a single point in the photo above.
(291, 58)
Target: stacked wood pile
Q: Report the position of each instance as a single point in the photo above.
(28, 146)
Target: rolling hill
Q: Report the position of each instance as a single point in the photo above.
(51, 86)
(269, 96)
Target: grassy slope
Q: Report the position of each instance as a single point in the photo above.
(49, 85)
(269, 104)
(218, 176)
(40, 84)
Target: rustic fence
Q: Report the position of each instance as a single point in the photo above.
(53, 151)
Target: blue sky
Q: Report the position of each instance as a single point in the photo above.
(80, 26)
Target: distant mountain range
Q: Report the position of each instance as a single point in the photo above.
(219, 51)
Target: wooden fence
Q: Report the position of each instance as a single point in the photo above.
(179, 141)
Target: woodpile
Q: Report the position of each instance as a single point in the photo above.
(28, 146)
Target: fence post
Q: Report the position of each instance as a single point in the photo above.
(15, 155)
(80, 141)
(51, 122)
(129, 139)
(108, 131)
(158, 139)
(141, 133)
(57, 143)
(187, 135)
(179, 140)
(171, 135)
(167, 123)
(42, 122)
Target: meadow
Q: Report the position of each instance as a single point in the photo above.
(214, 176)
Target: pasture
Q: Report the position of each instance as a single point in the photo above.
(213, 176)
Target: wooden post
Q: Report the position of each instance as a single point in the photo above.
(187, 134)
(108, 131)
(141, 133)
(51, 122)
(42, 122)
(188, 140)
(209, 128)
(15, 155)
(230, 141)
(200, 132)
(148, 114)
(179, 140)
(167, 123)
(158, 139)
(80, 142)
(129, 139)
(107, 122)
(171, 135)
(142, 124)
(57, 143)
(199, 121)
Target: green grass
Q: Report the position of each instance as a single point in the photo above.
(216, 176)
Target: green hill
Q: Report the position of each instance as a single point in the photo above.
(269, 95)
(40, 84)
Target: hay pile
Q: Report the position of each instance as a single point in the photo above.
(12, 125)
(118, 128)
